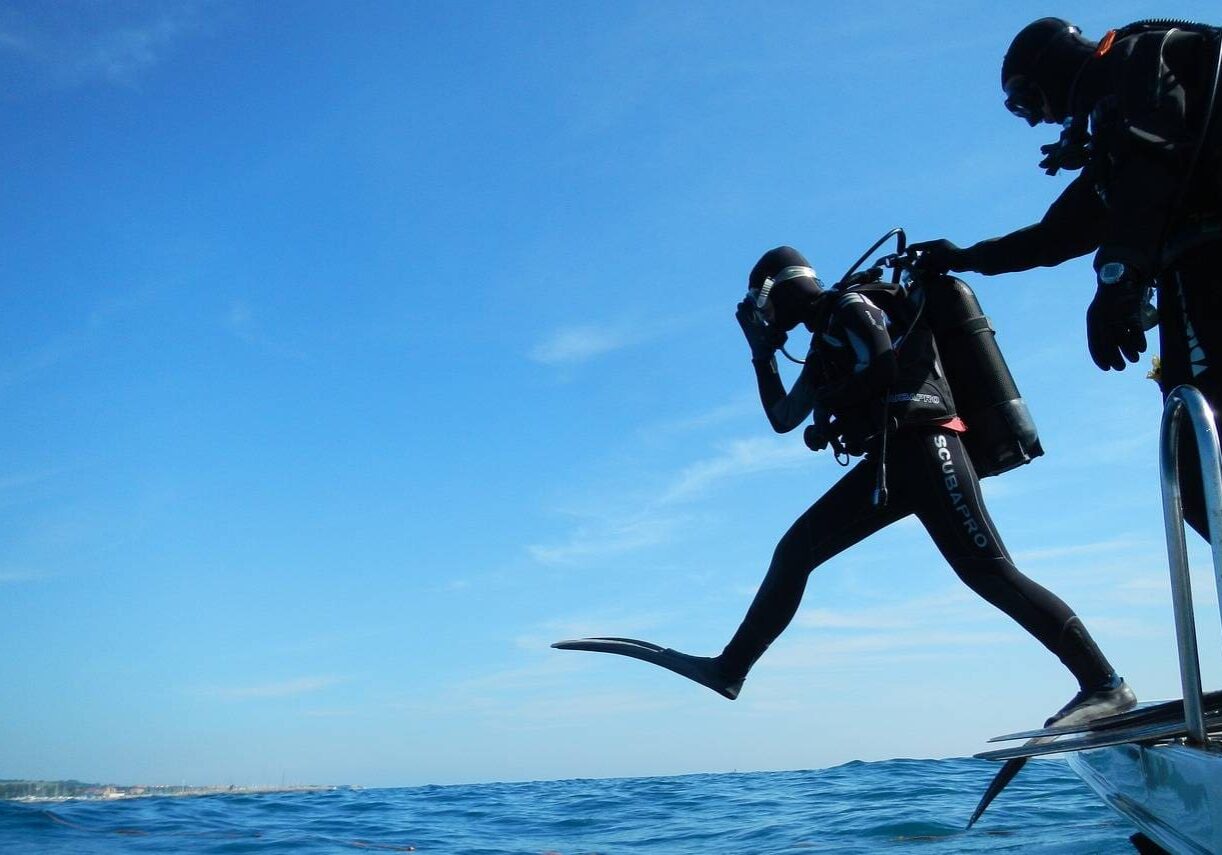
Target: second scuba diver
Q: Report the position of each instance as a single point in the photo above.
(1143, 122)
(874, 384)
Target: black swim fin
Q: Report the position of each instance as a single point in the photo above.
(1113, 736)
(700, 669)
(1116, 731)
(1149, 714)
(1003, 777)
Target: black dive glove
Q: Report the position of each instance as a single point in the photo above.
(762, 341)
(1114, 325)
(938, 256)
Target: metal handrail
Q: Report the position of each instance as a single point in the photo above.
(1187, 400)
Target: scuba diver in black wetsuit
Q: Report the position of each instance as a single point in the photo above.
(874, 384)
(1143, 123)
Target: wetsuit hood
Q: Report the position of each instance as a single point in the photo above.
(785, 287)
(1040, 68)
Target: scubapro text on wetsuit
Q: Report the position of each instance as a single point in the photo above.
(951, 480)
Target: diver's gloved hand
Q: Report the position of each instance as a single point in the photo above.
(1061, 155)
(1114, 329)
(762, 341)
(938, 256)
(1071, 151)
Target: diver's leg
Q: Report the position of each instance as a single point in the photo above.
(1192, 491)
(955, 517)
(1190, 312)
(842, 517)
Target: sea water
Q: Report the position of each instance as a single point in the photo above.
(909, 806)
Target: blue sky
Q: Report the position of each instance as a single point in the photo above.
(353, 353)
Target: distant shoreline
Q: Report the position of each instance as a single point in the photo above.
(63, 791)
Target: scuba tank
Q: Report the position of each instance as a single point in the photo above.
(1001, 434)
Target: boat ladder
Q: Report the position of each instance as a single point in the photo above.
(1186, 405)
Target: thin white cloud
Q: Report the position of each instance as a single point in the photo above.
(17, 577)
(65, 350)
(242, 321)
(650, 524)
(566, 708)
(829, 619)
(626, 623)
(11, 42)
(1153, 589)
(543, 707)
(21, 488)
(541, 672)
(351, 636)
(1126, 627)
(71, 44)
(494, 687)
(1101, 547)
(537, 694)
(737, 458)
(613, 538)
(45, 357)
(25, 479)
(956, 605)
(576, 343)
(120, 55)
(579, 344)
(1145, 585)
(743, 406)
(281, 689)
(902, 642)
(1137, 441)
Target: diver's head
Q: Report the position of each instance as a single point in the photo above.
(1040, 68)
(783, 287)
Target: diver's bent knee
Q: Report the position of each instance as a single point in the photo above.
(794, 553)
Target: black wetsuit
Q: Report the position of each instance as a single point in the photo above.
(1136, 203)
(853, 370)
